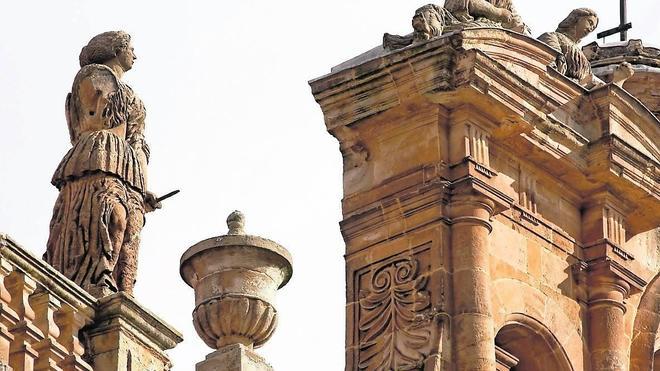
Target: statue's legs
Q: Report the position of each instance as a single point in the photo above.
(117, 230)
(126, 269)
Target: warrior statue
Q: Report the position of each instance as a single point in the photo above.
(102, 180)
(432, 20)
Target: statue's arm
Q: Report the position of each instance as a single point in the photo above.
(135, 138)
(135, 131)
(482, 8)
(517, 23)
(552, 40)
(71, 119)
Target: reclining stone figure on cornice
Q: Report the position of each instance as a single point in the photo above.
(432, 20)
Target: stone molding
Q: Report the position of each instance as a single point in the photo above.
(124, 307)
(472, 63)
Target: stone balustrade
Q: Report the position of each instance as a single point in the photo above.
(41, 313)
(44, 316)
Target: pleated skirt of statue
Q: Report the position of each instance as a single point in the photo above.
(81, 245)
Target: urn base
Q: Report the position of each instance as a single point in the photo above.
(235, 357)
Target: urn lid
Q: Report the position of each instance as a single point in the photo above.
(236, 237)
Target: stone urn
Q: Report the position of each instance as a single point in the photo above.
(235, 278)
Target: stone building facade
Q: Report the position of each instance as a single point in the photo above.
(496, 214)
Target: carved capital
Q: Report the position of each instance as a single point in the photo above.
(470, 195)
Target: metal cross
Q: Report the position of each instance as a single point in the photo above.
(623, 27)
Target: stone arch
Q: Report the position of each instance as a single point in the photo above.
(645, 329)
(514, 300)
(536, 348)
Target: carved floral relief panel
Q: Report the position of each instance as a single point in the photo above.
(395, 324)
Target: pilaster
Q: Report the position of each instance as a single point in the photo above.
(473, 203)
(610, 280)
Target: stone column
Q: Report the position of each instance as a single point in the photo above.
(610, 279)
(609, 351)
(473, 202)
(70, 321)
(473, 332)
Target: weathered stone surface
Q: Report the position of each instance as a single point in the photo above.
(431, 21)
(235, 277)
(644, 61)
(530, 205)
(44, 315)
(235, 357)
(99, 213)
(572, 62)
(126, 336)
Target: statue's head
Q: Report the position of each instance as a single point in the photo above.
(579, 23)
(107, 46)
(427, 22)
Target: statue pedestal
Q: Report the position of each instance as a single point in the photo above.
(126, 336)
(235, 357)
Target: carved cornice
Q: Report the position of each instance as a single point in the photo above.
(420, 206)
(633, 52)
(556, 124)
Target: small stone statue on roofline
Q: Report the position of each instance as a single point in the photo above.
(102, 180)
(572, 61)
(432, 20)
(566, 39)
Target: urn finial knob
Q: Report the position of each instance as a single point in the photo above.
(236, 223)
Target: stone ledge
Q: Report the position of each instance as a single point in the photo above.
(121, 305)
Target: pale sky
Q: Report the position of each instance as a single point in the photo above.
(231, 122)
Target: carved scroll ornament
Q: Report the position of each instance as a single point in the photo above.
(394, 317)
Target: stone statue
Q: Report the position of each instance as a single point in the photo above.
(102, 180)
(572, 62)
(487, 13)
(432, 20)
